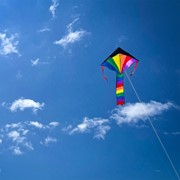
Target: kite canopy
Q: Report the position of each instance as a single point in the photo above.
(119, 61)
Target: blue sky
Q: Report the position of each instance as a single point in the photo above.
(59, 118)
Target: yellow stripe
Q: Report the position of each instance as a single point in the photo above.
(117, 61)
(119, 91)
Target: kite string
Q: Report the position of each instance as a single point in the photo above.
(163, 147)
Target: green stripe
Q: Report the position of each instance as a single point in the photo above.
(119, 75)
(111, 61)
(120, 94)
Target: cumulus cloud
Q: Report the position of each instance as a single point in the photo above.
(53, 7)
(72, 36)
(8, 45)
(133, 113)
(22, 104)
(98, 126)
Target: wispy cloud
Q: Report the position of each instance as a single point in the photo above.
(44, 30)
(18, 142)
(37, 62)
(39, 125)
(122, 38)
(53, 7)
(176, 133)
(72, 36)
(96, 125)
(48, 140)
(133, 113)
(8, 45)
(22, 104)
(19, 75)
(18, 137)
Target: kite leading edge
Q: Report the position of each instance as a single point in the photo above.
(119, 61)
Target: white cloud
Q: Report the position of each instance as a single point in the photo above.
(97, 125)
(44, 30)
(70, 25)
(53, 7)
(36, 124)
(172, 133)
(39, 125)
(133, 113)
(15, 136)
(72, 36)
(23, 104)
(38, 62)
(19, 142)
(16, 150)
(35, 62)
(8, 45)
(53, 124)
(18, 138)
(48, 141)
(14, 125)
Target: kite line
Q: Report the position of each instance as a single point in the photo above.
(163, 147)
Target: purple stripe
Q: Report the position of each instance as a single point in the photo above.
(120, 99)
(119, 82)
(129, 63)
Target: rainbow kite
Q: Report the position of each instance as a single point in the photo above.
(119, 61)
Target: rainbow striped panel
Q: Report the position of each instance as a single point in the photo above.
(120, 89)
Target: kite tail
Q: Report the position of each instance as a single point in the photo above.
(104, 77)
(120, 89)
(134, 68)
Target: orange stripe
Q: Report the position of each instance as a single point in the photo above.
(119, 88)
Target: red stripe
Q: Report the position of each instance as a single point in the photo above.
(119, 85)
(126, 60)
(120, 102)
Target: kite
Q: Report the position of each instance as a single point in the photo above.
(119, 61)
